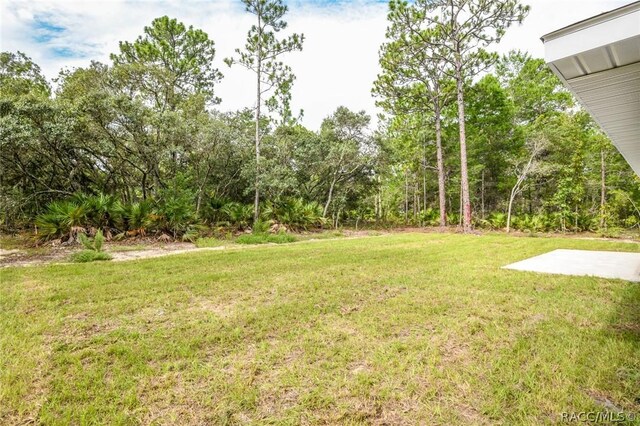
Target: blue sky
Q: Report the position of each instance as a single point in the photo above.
(337, 66)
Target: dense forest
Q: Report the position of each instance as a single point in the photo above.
(468, 138)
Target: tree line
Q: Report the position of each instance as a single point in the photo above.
(467, 138)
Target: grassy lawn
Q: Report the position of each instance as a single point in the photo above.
(393, 329)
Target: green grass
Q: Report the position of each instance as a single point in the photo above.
(323, 235)
(211, 242)
(265, 238)
(125, 248)
(395, 329)
(85, 256)
(23, 243)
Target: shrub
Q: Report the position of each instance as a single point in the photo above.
(498, 220)
(530, 223)
(93, 249)
(238, 215)
(212, 209)
(85, 256)
(94, 244)
(430, 217)
(138, 218)
(193, 232)
(261, 226)
(102, 211)
(294, 213)
(62, 218)
(175, 208)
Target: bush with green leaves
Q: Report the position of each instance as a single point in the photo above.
(85, 256)
(138, 218)
(430, 217)
(95, 243)
(212, 212)
(261, 226)
(498, 220)
(295, 213)
(237, 215)
(92, 249)
(62, 219)
(102, 211)
(175, 208)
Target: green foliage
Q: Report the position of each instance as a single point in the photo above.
(101, 211)
(175, 208)
(280, 238)
(498, 220)
(61, 218)
(263, 50)
(261, 226)
(212, 210)
(137, 142)
(85, 256)
(170, 56)
(430, 217)
(20, 76)
(94, 244)
(295, 213)
(531, 223)
(238, 215)
(138, 218)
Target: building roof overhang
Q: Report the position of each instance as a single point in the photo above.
(598, 60)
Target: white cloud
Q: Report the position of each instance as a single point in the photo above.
(337, 66)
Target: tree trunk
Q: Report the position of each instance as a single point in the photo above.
(511, 198)
(406, 197)
(441, 190)
(416, 199)
(424, 178)
(603, 191)
(329, 196)
(482, 194)
(256, 199)
(464, 175)
(144, 186)
(460, 210)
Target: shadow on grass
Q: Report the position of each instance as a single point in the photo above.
(625, 321)
(624, 331)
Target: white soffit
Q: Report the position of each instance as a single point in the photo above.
(598, 59)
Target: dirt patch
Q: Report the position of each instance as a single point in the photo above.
(29, 257)
(61, 254)
(165, 250)
(220, 309)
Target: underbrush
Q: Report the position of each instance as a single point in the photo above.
(85, 256)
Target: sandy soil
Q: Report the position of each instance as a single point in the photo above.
(58, 254)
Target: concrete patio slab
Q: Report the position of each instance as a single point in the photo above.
(604, 264)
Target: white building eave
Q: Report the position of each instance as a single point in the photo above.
(598, 60)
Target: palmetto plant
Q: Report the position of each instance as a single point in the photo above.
(103, 211)
(138, 218)
(94, 244)
(237, 214)
(212, 209)
(498, 220)
(294, 213)
(62, 219)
